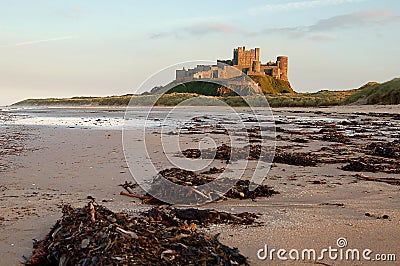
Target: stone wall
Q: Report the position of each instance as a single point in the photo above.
(247, 61)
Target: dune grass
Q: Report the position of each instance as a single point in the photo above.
(294, 100)
(375, 93)
(371, 93)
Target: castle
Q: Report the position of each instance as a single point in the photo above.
(247, 61)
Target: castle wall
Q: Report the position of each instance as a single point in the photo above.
(269, 70)
(180, 74)
(243, 58)
(246, 61)
(256, 66)
(283, 64)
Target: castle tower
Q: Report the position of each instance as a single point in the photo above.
(283, 65)
(243, 59)
(256, 66)
(246, 61)
(257, 54)
(238, 55)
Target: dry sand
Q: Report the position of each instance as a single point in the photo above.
(61, 165)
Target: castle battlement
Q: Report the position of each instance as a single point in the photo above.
(247, 61)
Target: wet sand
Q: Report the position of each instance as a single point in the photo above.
(61, 165)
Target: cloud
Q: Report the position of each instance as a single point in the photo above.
(160, 35)
(321, 37)
(39, 41)
(362, 19)
(301, 5)
(321, 29)
(200, 29)
(73, 12)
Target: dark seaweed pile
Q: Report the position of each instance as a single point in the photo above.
(296, 158)
(160, 236)
(188, 191)
(371, 164)
(385, 149)
(225, 152)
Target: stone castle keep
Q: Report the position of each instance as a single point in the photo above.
(247, 61)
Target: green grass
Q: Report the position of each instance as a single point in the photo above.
(198, 87)
(77, 101)
(172, 99)
(371, 93)
(321, 98)
(270, 85)
(375, 93)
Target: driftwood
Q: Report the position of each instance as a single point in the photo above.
(128, 188)
(92, 212)
(201, 193)
(133, 195)
(125, 233)
(187, 191)
(391, 181)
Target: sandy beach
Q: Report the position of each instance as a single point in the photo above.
(43, 166)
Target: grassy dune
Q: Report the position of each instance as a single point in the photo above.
(321, 98)
(268, 85)
(371, 93)
(298, 99)
(375, 93)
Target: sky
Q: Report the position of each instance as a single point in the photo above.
(54, 48)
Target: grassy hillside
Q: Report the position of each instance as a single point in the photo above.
(76, 101)
(323, 98)
(371, 93)
(135, 100)
(375, 93)
(270, 85)
(198, 87)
